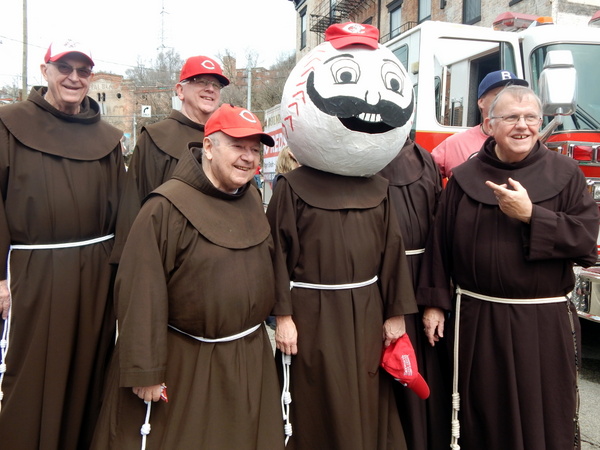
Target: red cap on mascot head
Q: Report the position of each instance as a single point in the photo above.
(342, 35)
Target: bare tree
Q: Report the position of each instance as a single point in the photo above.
(10, 94)
(267, 91)
(235, 93)
(155, 85)
(266, 84)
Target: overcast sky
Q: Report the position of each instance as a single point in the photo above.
(121, 32)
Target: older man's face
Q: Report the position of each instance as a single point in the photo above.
(67, 89)
(232, 162)
(201, 96)
(514, 141)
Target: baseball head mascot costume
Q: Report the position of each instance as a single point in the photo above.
(346, 111)
(347, 106)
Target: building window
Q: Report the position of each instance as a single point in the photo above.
(402, 54)
(425, 10)
(395, 12)
(471, 11)
(303, 29)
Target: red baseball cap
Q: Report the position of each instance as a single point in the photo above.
(342, 35)
(57, 50)
(399, 360)
(236, 122)
(202, 65)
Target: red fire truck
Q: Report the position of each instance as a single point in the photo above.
(447, 61)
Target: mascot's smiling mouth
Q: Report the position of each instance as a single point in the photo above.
(358, 115)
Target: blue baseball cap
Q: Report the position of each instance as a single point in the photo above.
(498, 78)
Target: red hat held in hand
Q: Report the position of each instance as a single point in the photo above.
(399, 361)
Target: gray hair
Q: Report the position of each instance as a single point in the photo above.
(518, 93)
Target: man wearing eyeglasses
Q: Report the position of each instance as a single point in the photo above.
(161, 144)
(61, 172)
(457, 148)
(511, 223)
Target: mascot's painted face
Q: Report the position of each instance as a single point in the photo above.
(347, 111)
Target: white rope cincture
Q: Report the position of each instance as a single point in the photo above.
(418, 251)
(332, 287)
(223, 339)
(145, 430)
(4, 341)
(286, 396)
(455, 424)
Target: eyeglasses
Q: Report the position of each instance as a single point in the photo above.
(67, 69)
(530, 119)
(203, 83)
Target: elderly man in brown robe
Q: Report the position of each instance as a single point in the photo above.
(194, 287)
(161, 144)
(511, 223)
(61, 169)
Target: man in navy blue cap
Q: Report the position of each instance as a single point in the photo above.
(459, 147)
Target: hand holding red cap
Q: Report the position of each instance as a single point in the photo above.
(400, 361)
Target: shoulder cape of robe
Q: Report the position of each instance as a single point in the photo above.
(227, 224)
(544, 173)
(171, 137)
(83, 127)
(342, 192)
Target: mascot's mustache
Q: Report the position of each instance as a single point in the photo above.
(359, 115)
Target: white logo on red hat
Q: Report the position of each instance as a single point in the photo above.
(247, 115)
(408, 372)
(208, 64)
(355, 28)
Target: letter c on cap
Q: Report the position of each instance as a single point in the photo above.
(208, 64)
(247, 115)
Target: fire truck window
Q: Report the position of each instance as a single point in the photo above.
(585, 58)
(402, 54)
(459, 66)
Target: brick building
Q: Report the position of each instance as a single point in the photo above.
(116, 97)
(129, 107)
(393, 17)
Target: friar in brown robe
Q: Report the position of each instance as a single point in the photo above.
(194, 286)
(60, 176)
(517, 356)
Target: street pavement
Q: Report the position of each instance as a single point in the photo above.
(589, 386)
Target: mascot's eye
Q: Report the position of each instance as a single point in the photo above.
(393, 78)
(345, 71)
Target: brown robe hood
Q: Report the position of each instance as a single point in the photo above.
(543, 173)
(46, 133)
(238, 222)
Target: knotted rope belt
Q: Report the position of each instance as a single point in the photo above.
(4, 342)
(509, 301)
(286, 396)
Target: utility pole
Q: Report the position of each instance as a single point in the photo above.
(24, 76)
(249, 96)
(162, 27)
